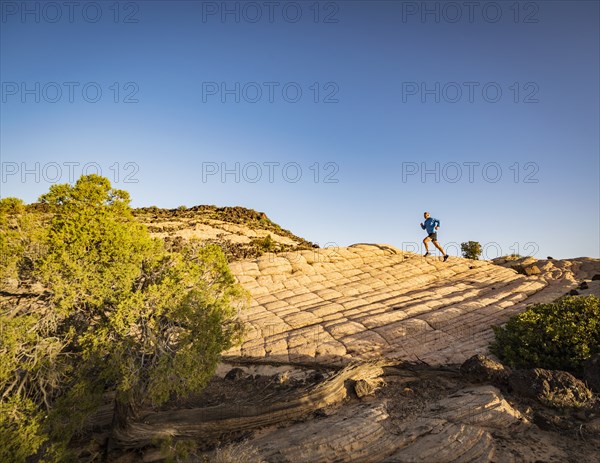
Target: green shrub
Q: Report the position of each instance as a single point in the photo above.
(20, 429)
(471, 250)
(558, 336)
(19, 240)
(121, 315)
(266, 244)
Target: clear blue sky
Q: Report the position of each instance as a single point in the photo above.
(206, 110)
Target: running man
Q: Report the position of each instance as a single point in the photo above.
(431, 225)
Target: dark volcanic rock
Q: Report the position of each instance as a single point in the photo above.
(596, 277)
(235, 374)
(527, 270)
(550, 387)
(481, 369)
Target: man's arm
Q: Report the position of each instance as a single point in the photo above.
(437, 224)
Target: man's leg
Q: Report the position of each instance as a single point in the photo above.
(425, 241)
(437, 245)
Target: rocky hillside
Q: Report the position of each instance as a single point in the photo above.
(365, 301)
(353, 354)
(241, 232)
(332, 306)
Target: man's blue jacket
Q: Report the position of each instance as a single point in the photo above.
(430, 225)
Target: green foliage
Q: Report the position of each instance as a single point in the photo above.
(122, 314)
(266, 244)
(560, 335)
(176, 451)
(10, 245)
(96, 247)
(471, 250)
(19, 240)
(20, 429)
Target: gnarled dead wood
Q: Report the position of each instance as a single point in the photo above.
(211, 422)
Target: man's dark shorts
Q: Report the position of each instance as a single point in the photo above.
(433, 236)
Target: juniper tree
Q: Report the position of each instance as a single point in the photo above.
(471, 250)
(121, 315)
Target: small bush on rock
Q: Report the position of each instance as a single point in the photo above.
(471, 250)
(558, 336)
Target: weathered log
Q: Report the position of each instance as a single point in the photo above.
(211, 422)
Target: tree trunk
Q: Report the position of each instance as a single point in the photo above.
(123, 412)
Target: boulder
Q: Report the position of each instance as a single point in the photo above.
(591, 373)
(482, 369)
(532, 270)
(596, 277)
(527, 270)
(550, 387)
